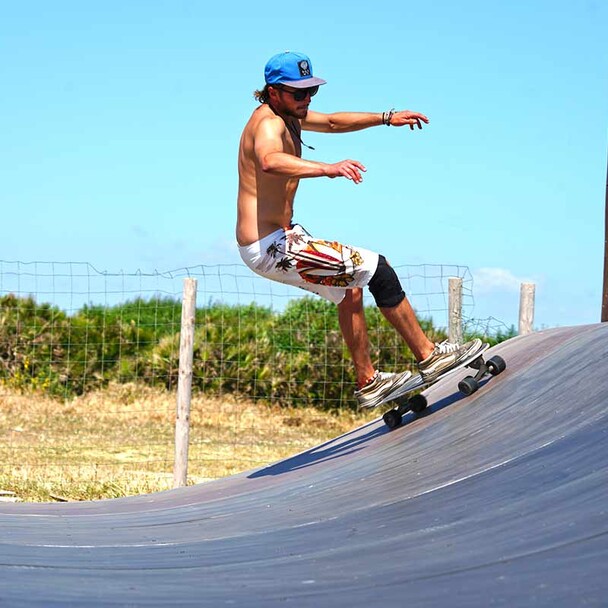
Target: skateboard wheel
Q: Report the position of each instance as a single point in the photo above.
(496, 365)
(418, 403)
(392, 419)
(468, 385)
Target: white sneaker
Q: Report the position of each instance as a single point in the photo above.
(380, 389)
(446, 357)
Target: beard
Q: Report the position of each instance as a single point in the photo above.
(298, 113)
(290, 111)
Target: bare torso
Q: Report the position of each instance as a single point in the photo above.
(265, 201)
(270, 157)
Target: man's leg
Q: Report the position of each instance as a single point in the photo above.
(403, 319)
(394, 305)
(433, 359)
(354, 330)
(373, 387)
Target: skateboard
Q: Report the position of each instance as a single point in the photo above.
(417, 404)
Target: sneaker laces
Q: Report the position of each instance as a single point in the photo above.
(445, 347)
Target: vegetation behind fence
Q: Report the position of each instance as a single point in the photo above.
(296, 355)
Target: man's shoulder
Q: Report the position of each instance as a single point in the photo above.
(263, 124)
(263, 117)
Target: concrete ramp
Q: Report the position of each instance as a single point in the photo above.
(498, 499)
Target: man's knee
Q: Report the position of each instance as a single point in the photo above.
(385, 285)
(353, 298)
(356, 295)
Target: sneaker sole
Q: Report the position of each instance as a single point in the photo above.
(386, 398)
(416, 382)
(470, 358)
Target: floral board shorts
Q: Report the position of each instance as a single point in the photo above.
(326, 268)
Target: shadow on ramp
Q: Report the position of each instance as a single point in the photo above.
(352, 442)
(494, 499)
(347, 445)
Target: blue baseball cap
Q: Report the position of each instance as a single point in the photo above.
(293, 69)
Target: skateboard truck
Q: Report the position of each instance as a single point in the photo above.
(416, 404)
(492, 366)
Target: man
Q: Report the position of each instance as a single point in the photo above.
(270, 168)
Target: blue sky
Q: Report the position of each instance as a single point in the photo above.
(120, 123)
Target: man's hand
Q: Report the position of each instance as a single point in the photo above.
(405, 117)
(350, 169)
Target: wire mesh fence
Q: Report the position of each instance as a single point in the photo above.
(94, 355)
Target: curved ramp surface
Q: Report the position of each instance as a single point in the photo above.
(498, 499)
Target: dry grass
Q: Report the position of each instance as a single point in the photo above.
(119, 441)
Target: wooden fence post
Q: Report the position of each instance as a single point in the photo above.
(184, 384)
(526, 308)
(455, 310)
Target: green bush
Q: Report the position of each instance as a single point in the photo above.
(296, 356)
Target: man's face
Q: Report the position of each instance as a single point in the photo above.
(294, 102)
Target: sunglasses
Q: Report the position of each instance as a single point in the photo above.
(301, 94)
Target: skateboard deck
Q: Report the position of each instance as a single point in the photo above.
(402, 403)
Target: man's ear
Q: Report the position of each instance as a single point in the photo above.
(273, 93)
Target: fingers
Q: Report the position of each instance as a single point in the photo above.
(413, 119)
(351, 169)
(413, 122)
(417, 116)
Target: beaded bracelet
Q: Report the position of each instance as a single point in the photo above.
(386, 117)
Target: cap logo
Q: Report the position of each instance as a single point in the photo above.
(304, 68)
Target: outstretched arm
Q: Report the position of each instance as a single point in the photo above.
(346, 122)
(274, 160)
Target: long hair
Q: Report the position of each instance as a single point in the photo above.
(262, 96)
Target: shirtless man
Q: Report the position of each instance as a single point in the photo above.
(270, 168)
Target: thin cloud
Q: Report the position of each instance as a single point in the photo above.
(497, 279)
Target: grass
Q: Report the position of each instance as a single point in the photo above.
(120, 441)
